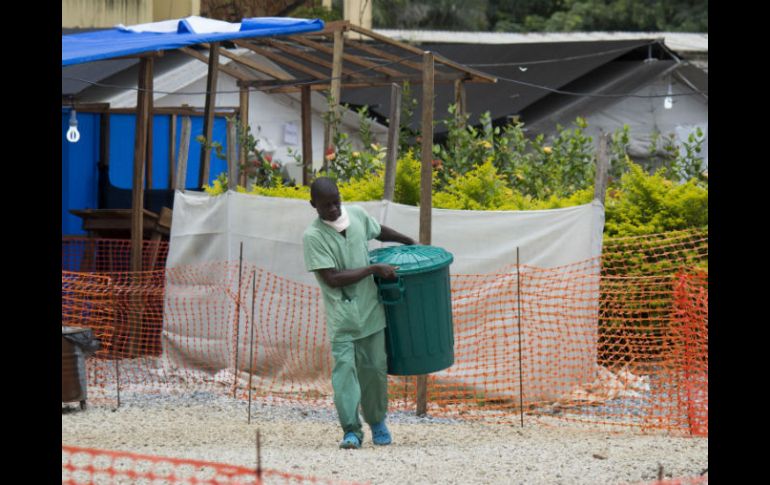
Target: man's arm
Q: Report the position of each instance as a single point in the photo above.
(391, 235)
(338, 278)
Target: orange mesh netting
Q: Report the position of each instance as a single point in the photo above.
(616, 343)
(81, 466)
(699, 480)
(90, 255)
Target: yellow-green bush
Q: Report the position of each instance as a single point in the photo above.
(640, 204)
(650, 204)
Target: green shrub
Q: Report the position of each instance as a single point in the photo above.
(407, 190)
(368, 187)
(650, 204)
(482, 188)
(280, 190)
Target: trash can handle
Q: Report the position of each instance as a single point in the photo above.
(396, 285)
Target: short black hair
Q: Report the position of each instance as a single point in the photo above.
(323, 185)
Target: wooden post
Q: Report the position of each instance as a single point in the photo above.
(136, 305)
(393, 129)
(171, 151)
(232, 155)
(244, 118)
(184, 149)
(335, 88)
(140, 151)
(208, 117)
(148, 160)
(426, 183)
(460, 98)
(307, 136)
(602, 166)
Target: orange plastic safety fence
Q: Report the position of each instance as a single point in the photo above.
(575, 344)
(85, 466)
(699, 480)
(655, 254)
(98, 255)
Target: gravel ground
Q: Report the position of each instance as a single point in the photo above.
(303, 440)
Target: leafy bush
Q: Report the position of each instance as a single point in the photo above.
(407, 190)
(500, 168)
(479, 189)
(649, 204)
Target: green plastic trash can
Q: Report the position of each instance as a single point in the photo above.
(419, 336)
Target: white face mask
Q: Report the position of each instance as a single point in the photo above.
(342, 222)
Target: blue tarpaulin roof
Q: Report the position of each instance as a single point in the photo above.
(123, 41)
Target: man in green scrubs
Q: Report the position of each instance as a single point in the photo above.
(336, 250)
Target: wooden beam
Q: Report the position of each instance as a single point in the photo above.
(333, 26)
(90, 107)
(226, 69)
(307, 136)
(181, 111)
(281, 87)
(208, 117)
(232, 155)
(602, 166)
(426, 166)
(244, 119)
(348, 57)
(282, 60)
(426, 185)
(335, 89)
(477, 75)
(184, 149)
(148, 158)
(460, 99)
(306, 56)
(383, 54)
(142, 55)
(171, 150)
(393, 132)
(252, 64)
(140, 151)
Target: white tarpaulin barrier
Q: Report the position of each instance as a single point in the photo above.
(207, 229)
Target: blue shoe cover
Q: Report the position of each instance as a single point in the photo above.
(380, 434)
(350, 441)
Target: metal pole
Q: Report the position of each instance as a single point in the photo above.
(251, 335)
(237, 321)
(518, 305)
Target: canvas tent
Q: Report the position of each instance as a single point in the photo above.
(623, 81)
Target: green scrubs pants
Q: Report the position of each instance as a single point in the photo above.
(360, 376)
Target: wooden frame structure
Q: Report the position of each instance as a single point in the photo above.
(327, 61)
(316, 61)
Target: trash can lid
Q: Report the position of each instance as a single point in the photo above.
(412, 259)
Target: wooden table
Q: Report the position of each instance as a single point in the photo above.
(116, 224)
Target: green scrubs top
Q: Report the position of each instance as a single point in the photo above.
(352, 312)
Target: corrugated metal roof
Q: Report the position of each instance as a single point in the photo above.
(677, 41)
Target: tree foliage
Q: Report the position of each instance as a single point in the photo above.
(544, 15)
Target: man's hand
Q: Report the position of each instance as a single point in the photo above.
(384, 271)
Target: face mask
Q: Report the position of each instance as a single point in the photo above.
(342, 222)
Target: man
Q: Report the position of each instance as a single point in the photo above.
(335, 247)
